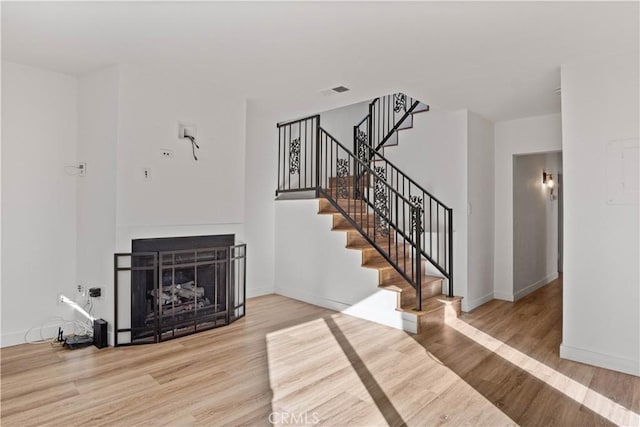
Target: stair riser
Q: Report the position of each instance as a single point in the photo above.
(373, 254)
(390, 274)
(440, 316)
(351, 206)
(354, 238)
(364, 180)
(408, 299)
(363, 220)
(342, 193)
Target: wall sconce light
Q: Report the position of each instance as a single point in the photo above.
(547, 181)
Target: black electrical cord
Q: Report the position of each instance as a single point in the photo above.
(194, 145)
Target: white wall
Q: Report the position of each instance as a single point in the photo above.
(184, 197)
(312, 264)
(339, 122)
(261, 162)
(480, 185)
(601, 323)
(182, 192)
(523, 136)
(535, 223)
(261, 171)
(39, 135)
(434, 154)
(96, 209)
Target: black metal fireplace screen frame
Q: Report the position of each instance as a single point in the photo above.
(229, 259)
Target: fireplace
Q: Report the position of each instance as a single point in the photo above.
(177, 286)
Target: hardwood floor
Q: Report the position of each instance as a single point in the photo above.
(305, 365)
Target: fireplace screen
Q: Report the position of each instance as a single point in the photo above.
(167, 294)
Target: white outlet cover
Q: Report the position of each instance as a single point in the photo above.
(146, 174)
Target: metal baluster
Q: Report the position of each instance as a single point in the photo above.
(451, 253)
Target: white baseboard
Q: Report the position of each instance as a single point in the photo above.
(503, 296)
(379, 307)
(600, 359)
(311, 298)
(15, 338)
(257, 292)
(535, 286)
(472, 304)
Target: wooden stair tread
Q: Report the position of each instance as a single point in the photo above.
(365, 246)
(430, 305)
(401, 285)
(347, 226)
(326, 206)
(379, 264)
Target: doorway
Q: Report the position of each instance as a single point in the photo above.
(537, 221)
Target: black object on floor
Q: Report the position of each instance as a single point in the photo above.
(100, 333)
(78, 341)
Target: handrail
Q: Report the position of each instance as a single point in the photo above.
(410, 270)
(397, 125)
(433, 261)
(362, 121)
(363, 164)
(376, 150)
(404, 175)
(291, 122)
(390, 210)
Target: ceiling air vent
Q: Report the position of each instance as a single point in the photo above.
(340, 89)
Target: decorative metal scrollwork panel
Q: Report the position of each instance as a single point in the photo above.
(399, 102)
(361, 136)
(342, 171)
(380, 202)
(416, 214)
(363, 149)
(294, 156)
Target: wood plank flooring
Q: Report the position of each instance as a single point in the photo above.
(306, 365)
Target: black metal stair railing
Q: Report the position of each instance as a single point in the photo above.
(387, 114)
(404, 222)
(384, 217)
(297, 160)
(435, 217)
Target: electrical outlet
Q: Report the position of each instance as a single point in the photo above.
(82, 169)
(146, 174)
(166, 153)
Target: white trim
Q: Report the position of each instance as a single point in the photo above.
(15, 338)
(503, 296)
(311, 298)
(535, 286)
(374, 308)
(602, 360)
(257, 292)
(477, 302)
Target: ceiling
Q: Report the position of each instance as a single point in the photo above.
(501, 60)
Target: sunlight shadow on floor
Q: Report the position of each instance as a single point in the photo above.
(343, 370)
(580, 393)
(381, 400)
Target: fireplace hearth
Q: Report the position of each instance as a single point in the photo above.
(170, 287)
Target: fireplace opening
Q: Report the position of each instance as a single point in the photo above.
(178, 286)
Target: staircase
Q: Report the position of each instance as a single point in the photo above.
(388, 115)
(401, 230)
